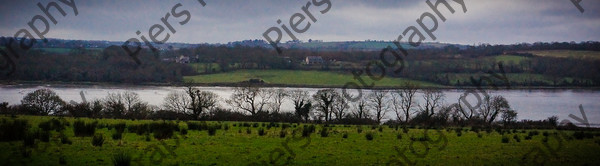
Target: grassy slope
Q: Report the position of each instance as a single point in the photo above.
(291, 77)
(232, 147)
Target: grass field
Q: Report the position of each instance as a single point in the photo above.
(297, 77)
(506, 59)
(514, 78)
(595, 55)
(231, 144)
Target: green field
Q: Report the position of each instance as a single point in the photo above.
(593, 55)
(514, 78)
(232, 145)
(298, 77)
(506, 59)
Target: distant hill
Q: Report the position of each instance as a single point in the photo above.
(316, 45)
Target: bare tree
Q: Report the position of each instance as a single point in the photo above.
(200, 101)
(250, 99)
(125, 105)
(324, 100)
(177, 101)
(433, 100)
(43, 102)
(361, 109)
(378, 103)
(302, 104)
(114, 105)
(340, 106)
(491, 107)
(403, 101)
(277, 96)
(130, 99)
(509, 116)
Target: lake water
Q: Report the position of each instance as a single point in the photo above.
(530, 104)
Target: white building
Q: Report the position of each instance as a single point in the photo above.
(314, 60)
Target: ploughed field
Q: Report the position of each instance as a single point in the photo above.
(37, 140)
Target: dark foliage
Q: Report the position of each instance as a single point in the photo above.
(13, 130)
(369, 136)
(163, 130)
(121, 159)
(82, 129)
(98, 139)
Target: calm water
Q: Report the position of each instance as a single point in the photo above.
(530, 104)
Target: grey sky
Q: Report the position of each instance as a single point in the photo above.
(221, 21)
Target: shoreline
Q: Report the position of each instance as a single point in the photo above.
(266, 85)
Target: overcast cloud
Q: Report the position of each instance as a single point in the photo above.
(221, 21)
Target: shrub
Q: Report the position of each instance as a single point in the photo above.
(248, 130)
(148, 138)
(398, 136)
(312, 128)
(120, 127)
(139, 129)
(197, 126)
(285, 125)
(117, 135)
(459, 133)
(121, 159)
(545, 133)
(545, 139)
(369, 136)
(13, 130)
(479, 135)
(183, 131)
(226, 127)
(44, 136)
(380, 128)
(306, 131)
(261, 131)
(29, 139)
(212, 131)
(517, 138)
(98, 139)
(527, 137)
(62, 160)
(405, 129)
(26, 153)
(255, 125)
(533, 133)
(64, 139)
(475, 129)
(345, 135)
(504, 139)
(579, 135)
(45, 126)
(359, 129)
(82, 129)
(324, 132)
(163, 130)
(282, 133)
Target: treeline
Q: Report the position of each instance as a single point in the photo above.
(83, 65)
(327, 106)
(433, 64)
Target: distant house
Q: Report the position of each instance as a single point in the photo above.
(183, 59)
(314, 60)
